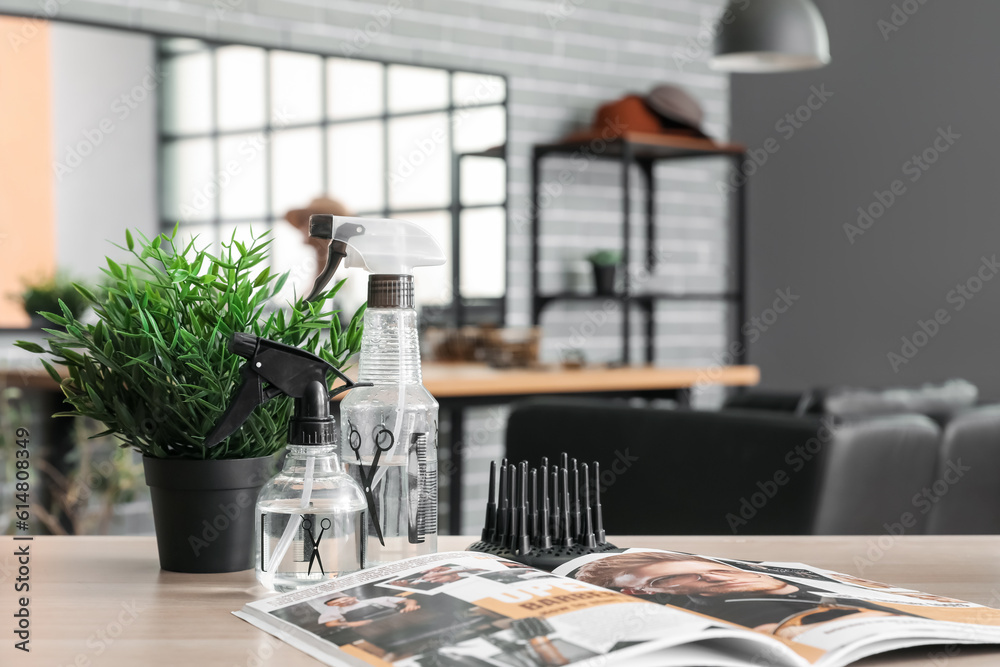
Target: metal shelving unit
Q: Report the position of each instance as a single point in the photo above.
(645, 151)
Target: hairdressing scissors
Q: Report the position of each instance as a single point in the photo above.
(307, 528)
(384, 441)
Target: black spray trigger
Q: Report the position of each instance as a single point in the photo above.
(288, 371)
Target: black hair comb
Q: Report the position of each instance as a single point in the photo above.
(544, 516)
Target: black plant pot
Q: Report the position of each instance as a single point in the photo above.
(204, 511)
(605, 278)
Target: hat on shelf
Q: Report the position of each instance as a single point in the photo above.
(628, 114)
(676, 109)
(665, 110)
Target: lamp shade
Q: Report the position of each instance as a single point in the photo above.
(771, 36)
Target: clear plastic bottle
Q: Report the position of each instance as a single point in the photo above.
(397, 419)
(325, 527)
(312, 519)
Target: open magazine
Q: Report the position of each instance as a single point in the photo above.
(632, 607)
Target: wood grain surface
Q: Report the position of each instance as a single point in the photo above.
(104, 600)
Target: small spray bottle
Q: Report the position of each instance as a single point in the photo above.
(311, 515)
(389, 429)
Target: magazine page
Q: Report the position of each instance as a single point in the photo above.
(826, 617)
(463, 608)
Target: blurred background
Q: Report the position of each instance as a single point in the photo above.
(795, 252)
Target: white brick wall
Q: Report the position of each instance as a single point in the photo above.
(557, 76)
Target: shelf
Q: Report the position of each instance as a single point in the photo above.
(645, 146)
(642, 150)
(542, 300)
(499, 152)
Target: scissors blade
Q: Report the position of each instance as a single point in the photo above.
(318, 558)
(374, 513)
(372, 471)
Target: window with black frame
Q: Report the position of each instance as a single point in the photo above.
(249, 133)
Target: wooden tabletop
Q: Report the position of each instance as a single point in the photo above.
(455, 380)
(104, 600)
(445, 380)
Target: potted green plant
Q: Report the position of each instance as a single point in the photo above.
(605, 263)
(44, 295)
(155, 368)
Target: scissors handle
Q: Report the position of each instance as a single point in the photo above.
(381, 436)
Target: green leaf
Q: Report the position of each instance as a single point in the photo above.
(116, 270)
(128, 240)
(86, 293)
(52, 317)
(95, 399)
(58, 379)
(262, 277)
(30, 347)
(280, 283)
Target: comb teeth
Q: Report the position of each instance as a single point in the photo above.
(529, 510)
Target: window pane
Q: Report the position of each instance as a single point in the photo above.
(357, 175)
(417, 88)
(242, 176)
(479, 129)
(353, 88)
(419, 161)
(468, 88)
(483, 251)
(188, 170)
(432, 284)
(483, 181)
(187, 93)
(240, 82)
(296, 169)
(295, 86)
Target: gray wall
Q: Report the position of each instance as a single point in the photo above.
(104, 142)
(860, 296)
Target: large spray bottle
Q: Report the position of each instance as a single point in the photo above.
(389, 429)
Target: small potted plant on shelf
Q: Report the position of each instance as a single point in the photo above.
(157, 371)
(606, 264)
(44, 295)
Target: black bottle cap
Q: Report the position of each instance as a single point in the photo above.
(311, 423)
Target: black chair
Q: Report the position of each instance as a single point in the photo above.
(793, 402)
(672, 472)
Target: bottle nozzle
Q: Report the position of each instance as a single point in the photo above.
(311, 423)
(243, 344)
(321, 226)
